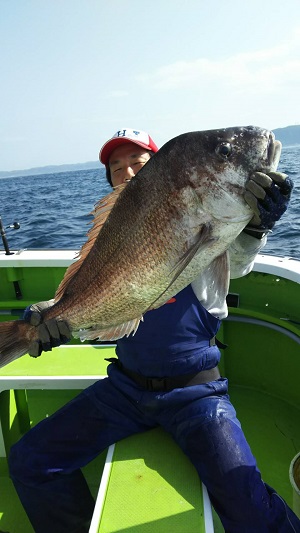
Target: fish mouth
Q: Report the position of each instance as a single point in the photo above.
(273, 151)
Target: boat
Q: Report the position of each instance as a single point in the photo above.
(144, 483)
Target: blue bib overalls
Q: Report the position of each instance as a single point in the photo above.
(174, 339)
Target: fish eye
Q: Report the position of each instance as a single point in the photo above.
(224, 150)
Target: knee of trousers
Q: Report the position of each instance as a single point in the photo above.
(21, 464)
(15, 462)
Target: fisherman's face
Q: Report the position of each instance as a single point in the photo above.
(125, 161)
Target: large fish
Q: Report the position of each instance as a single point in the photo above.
(154, 236)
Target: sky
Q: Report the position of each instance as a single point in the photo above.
(73, 72)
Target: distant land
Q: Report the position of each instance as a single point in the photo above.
(289, 136)
(51, 169)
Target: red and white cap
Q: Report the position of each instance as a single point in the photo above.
(123, 136)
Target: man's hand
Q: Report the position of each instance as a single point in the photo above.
(268, 196)
(51, 333)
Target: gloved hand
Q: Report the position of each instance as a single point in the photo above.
(51, 333)
(268, 196)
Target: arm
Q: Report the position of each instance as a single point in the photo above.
(268, 195)
(242, 254)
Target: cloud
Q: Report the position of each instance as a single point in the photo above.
(265, 71)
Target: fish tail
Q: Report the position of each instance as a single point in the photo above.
(15, 338)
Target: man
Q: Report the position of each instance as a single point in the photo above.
(166, 374)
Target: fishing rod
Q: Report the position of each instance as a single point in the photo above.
(15, 225)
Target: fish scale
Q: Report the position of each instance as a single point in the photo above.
(156, 234)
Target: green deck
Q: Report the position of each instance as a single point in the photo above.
(271, 425)
(150, 473)
(263, 367)
(144, 462)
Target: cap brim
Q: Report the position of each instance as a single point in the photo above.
(112, 144)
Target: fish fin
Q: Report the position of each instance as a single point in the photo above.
(101, 212)
(203, 240)
(218, 273)
(108, 334)
(13, 340)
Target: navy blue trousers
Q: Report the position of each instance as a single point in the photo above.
(45, 464)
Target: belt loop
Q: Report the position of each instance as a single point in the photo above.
(149, 384)
(156, 384)
(215, 342)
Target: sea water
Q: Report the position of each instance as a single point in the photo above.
(53, 210)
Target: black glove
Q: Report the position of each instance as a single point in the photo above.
(51, 333)
(268, 195)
